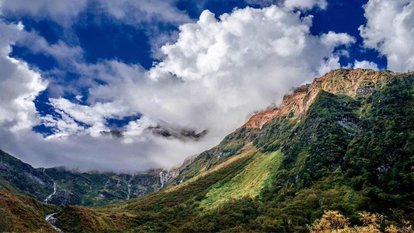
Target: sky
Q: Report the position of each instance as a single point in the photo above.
(129, 85)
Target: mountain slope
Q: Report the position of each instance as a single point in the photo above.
(345, 142)
(94, 189)
(23, 214)
(62, 187)
(21, 177)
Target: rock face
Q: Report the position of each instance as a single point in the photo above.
(355, 83)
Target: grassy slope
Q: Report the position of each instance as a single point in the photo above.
(23, 214)
(160, 211)
(247, 183)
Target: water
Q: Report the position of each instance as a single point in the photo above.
(52, 194)
(51, 219)
(54, 188)
(129, 188)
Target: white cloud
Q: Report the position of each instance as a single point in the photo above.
(329, 64)
(305, 4)
(217, 73)
(94, 116)
(134, 11)
(65, 12)
(389, 29)
(96, 153)
(333, 39)
(19, 85)
(61, 11)
(366, 65)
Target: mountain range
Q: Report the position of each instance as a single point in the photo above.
(344, 142)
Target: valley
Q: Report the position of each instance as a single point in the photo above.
(344, 142)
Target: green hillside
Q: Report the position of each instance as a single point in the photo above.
(343, 143)
(72, 187)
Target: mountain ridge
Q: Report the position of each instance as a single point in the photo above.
(345, 142)
(355, 83)
(62, 187)
(298, 101)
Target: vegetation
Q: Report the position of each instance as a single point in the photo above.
(350, 154)
(20, 213)
(247, 183)
(89, 189)
(17, 176)
(333, 221)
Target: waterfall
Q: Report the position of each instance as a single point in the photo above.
(54, 188)
(129, 185)
(51, 219)
(52, 194)
(164, 177)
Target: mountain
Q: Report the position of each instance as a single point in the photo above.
(62, 187)
(23, 214)
(342, 144)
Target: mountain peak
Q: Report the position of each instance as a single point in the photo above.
(351, 82)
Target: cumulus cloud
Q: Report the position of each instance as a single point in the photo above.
(366, 65)
(389, 29)
(333, 39)
(217, 73)
(149, 16)
(221, 70)
(19, 85)
(329, 64)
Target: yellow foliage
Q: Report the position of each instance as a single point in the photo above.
(334, 222)
(331, 221)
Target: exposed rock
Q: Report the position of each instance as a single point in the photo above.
(355, 83)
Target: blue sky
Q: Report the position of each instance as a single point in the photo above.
(101, 37)
(118, 65)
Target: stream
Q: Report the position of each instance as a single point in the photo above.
(51, 219)
(52, 194)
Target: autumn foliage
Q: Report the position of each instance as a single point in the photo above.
(333, 221)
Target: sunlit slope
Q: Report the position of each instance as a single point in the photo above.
(248, 183)
(344, 142)
(174, 204)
